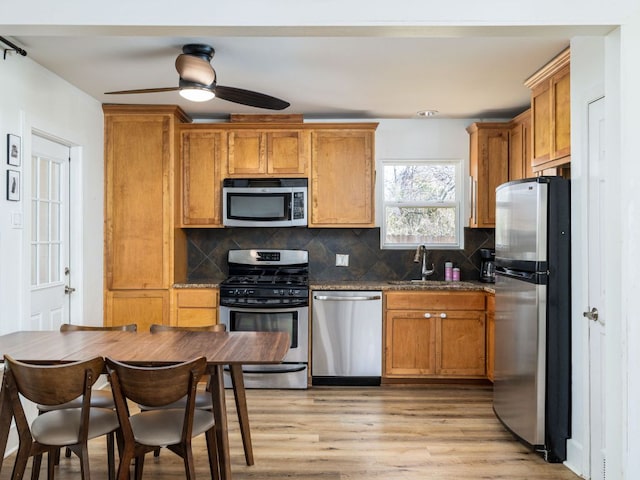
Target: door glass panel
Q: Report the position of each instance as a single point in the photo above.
(47, 235)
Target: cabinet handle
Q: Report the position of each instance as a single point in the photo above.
(443, 315)
(427, 315)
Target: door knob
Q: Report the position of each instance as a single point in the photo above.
(591, 315)
(68, 290)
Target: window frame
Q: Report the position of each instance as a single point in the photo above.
(457, 204)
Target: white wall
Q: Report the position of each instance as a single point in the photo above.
(34, 98)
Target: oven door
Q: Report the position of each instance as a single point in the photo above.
(293, 371)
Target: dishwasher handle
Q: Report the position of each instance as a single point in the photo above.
(331, 298)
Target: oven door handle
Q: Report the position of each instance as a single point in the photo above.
(295, 368)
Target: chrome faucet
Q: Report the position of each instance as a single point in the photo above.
(421, 255)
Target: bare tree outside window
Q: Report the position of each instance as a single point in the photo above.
(421, 203)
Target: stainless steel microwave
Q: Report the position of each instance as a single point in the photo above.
(264, 202)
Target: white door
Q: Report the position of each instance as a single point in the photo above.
(596, 289)
(49, 234)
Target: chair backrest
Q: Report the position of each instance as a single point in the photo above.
(217, 327)
(155, 386)
(54, 384)
(69, 327)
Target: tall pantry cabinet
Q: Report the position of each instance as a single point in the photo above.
(144, 251)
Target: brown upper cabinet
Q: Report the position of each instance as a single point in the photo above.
(551, 113)
(488, 168)
(342, 190)
(203, 151)
(278, 153)
(520, 147)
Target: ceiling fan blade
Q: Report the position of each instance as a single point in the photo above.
(247, 97)
(195, 69)
(143, 90)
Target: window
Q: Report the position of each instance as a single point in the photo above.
(422, 203)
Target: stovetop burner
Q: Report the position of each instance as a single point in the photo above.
(266, 277)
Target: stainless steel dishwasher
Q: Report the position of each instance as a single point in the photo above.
(346, 347)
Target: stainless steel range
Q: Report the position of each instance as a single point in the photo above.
(268, 290)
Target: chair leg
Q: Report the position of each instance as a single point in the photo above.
(51, 463)
(240, 396)
(212, 450)
(189, 469)
(111, 463)
(35, 469)
(139, 466)
(156, 452)
(67, 452)
(84, 462)
(20, 465)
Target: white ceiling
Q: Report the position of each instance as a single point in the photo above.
(476, 73)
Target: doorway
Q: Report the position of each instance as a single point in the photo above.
(49, 240)
(596, 291)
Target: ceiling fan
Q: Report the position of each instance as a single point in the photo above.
(198, 82)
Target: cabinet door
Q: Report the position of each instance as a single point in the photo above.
(288, 152)
(202, 153)
(142, 307)
(461, 346)
(138, 152)
(342, 178)
(194, 307)
(247, 153)
(561, 88)
(491, 344)
(541, 119)
(410, 343)
(489, 168)
(520, 147)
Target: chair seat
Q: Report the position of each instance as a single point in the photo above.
(164, 426)
(203, 402)
(99, 399)
(60, 427)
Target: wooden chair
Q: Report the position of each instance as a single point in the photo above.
(99, 398)
(56, 385)
(173, 428)
(203, 399)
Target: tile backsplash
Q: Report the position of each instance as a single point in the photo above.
(207, 253)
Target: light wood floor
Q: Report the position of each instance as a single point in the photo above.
(336, 433)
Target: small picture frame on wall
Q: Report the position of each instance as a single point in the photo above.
(13, 185)
(13, 150)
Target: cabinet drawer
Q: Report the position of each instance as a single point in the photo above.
(202, 298)
(435, 300)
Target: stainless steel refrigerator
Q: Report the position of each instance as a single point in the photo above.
(532, 387)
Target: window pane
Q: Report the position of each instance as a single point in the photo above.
(43, 222)
(34, 220)
(420, 183)
(416, 225)
(55, 222)
(43, 191)
(55, 263)
(55, 181)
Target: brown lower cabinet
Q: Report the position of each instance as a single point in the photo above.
(194, 307)
(142, 307)
(434, 335)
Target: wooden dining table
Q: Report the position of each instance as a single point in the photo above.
(219, 348)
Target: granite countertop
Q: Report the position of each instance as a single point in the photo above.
(392, 285)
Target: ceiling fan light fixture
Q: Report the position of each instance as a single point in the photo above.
(197, 94)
